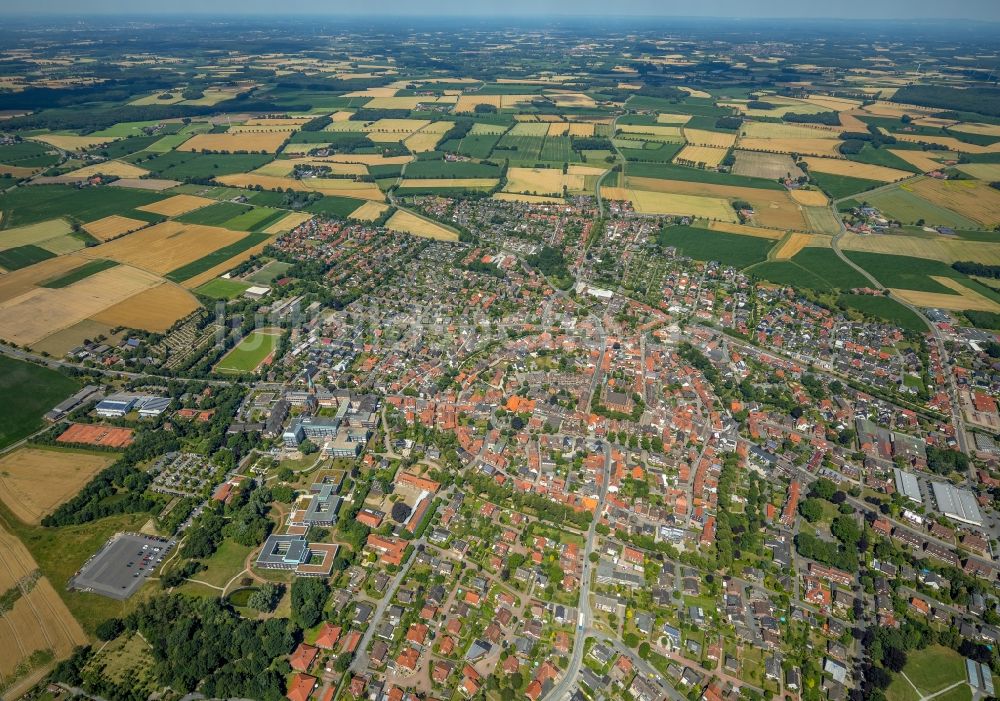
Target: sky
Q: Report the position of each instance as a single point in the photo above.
(841, 9)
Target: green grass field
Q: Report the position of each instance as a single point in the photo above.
(906, 272)
(215, 214)
(908, 208)
(728, 249)
(884, 308)
(882, 157)
(23, 256)
(32, 391)
(270, 271)
(840, 186)
(248, 353)
(28, 205)
(444, 169)
(931, 670)
(256, 219)
(224, 564)
(81, 273)
(27, 154)
(215, 258)
(472, 145)
(181, 165)
(337, 206)
(222, 289)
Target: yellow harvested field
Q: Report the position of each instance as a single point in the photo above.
(177, 205)
(654, 130)
(529, 129)
(477, 183)
(61, 245)
(268, 142)
(558, 129)
(933, 122)
(580, 169)
(166, 246)
(288, 222)
(35, 481)
(61, 342)
(422, 141)
(285, 166)
(397, 126)
(808, 147)
(924, 160)
(371, 159)
(850, 122)
(17, 171)
(386, 91)
(398, 103)
(773, 208)
(543, 181)
(113, 226)
(262, 128)
(480, 129)
(303, 149)
(647, 202)
(693, 92)
(73, 143)
(584, 129)
(341, 116)
(945, 249)
(982, 171)
(155, 309)
(835, 104)
(790, 245)
(810, 198)
(116, 168)
(39, 620)
(965, 299)
(852, 169)
(327, 186)
(716, 139)
(976, 128)
(571, 99)
(667, 118)
(701, 155)
(520, 197)
(467, 103)
(775, 130)
(950, 143)
(410, 223)
(746, 230)
(34, 234)
(369, 211)
(972, 198)
(17, 282)
(893, 109)
(41, 311)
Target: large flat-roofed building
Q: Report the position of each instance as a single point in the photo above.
(116, 406)
(321, 509)
(293, 552)
(957, 504)
(906, 484)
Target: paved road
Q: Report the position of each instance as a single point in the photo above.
(569, 679)
(956, 410)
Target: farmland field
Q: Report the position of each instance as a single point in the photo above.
(34, 234)
(33, 481)
(249, 353)
(113, 226)
(29, 205)
(418, 226)
(839, 186)
(765, 165)
(216, 257)
(728, 249)
(906, 205)
(265, 142)
(77, 274)
(38, 389)
(155, 309)
(885, 309)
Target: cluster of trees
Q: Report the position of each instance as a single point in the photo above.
(591, 143)
(551, 262)
(830, 119)
(317, 123)
(944, 461)
(854, 141)
(971, 267)
(122, 481)
(542, 507)
(983, 320)
(309, 596)
(729, 123)
(980, 100)
(699, 361)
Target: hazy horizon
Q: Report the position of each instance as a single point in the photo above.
(976, 10)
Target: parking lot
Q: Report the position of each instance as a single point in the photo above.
(121, 565)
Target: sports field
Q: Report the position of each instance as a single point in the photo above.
(249, 353)
(931, 671)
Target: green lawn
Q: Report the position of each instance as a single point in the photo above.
(31, 390)
(934, 668)
(227, 562)
(908, 208)
(28, 205)
(270, 271)
(223, 289)
(840, 186)
(249, 353)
